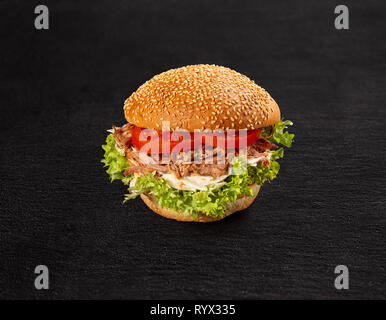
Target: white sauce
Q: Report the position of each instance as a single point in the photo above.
(195, 182)
(253, 161)
(120, 150)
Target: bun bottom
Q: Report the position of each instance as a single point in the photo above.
(238, 205)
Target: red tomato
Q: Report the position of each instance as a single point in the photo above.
(155, 139)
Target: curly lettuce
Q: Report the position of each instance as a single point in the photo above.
(215, 200)
(278, 135)
(115, 162)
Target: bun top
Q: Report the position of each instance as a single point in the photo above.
(201, 97)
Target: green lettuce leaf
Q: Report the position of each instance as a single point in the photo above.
(115, 162)
(279, 136)
(212, 202)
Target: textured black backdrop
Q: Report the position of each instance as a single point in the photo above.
(62, 88)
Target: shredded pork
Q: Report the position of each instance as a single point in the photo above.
(182, 164)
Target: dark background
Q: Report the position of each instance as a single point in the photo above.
(61, 88)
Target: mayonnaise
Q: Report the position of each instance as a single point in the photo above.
(253, 161)
(194, 182)
(120, 150)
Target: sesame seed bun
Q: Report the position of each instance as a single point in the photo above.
(238, 205)
(201, 97)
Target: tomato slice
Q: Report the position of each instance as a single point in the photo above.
(155, 140)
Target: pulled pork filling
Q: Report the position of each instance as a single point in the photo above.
(182, 165)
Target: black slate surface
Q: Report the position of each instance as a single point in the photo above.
(63, 87)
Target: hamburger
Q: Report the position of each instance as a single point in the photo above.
(183, 117)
